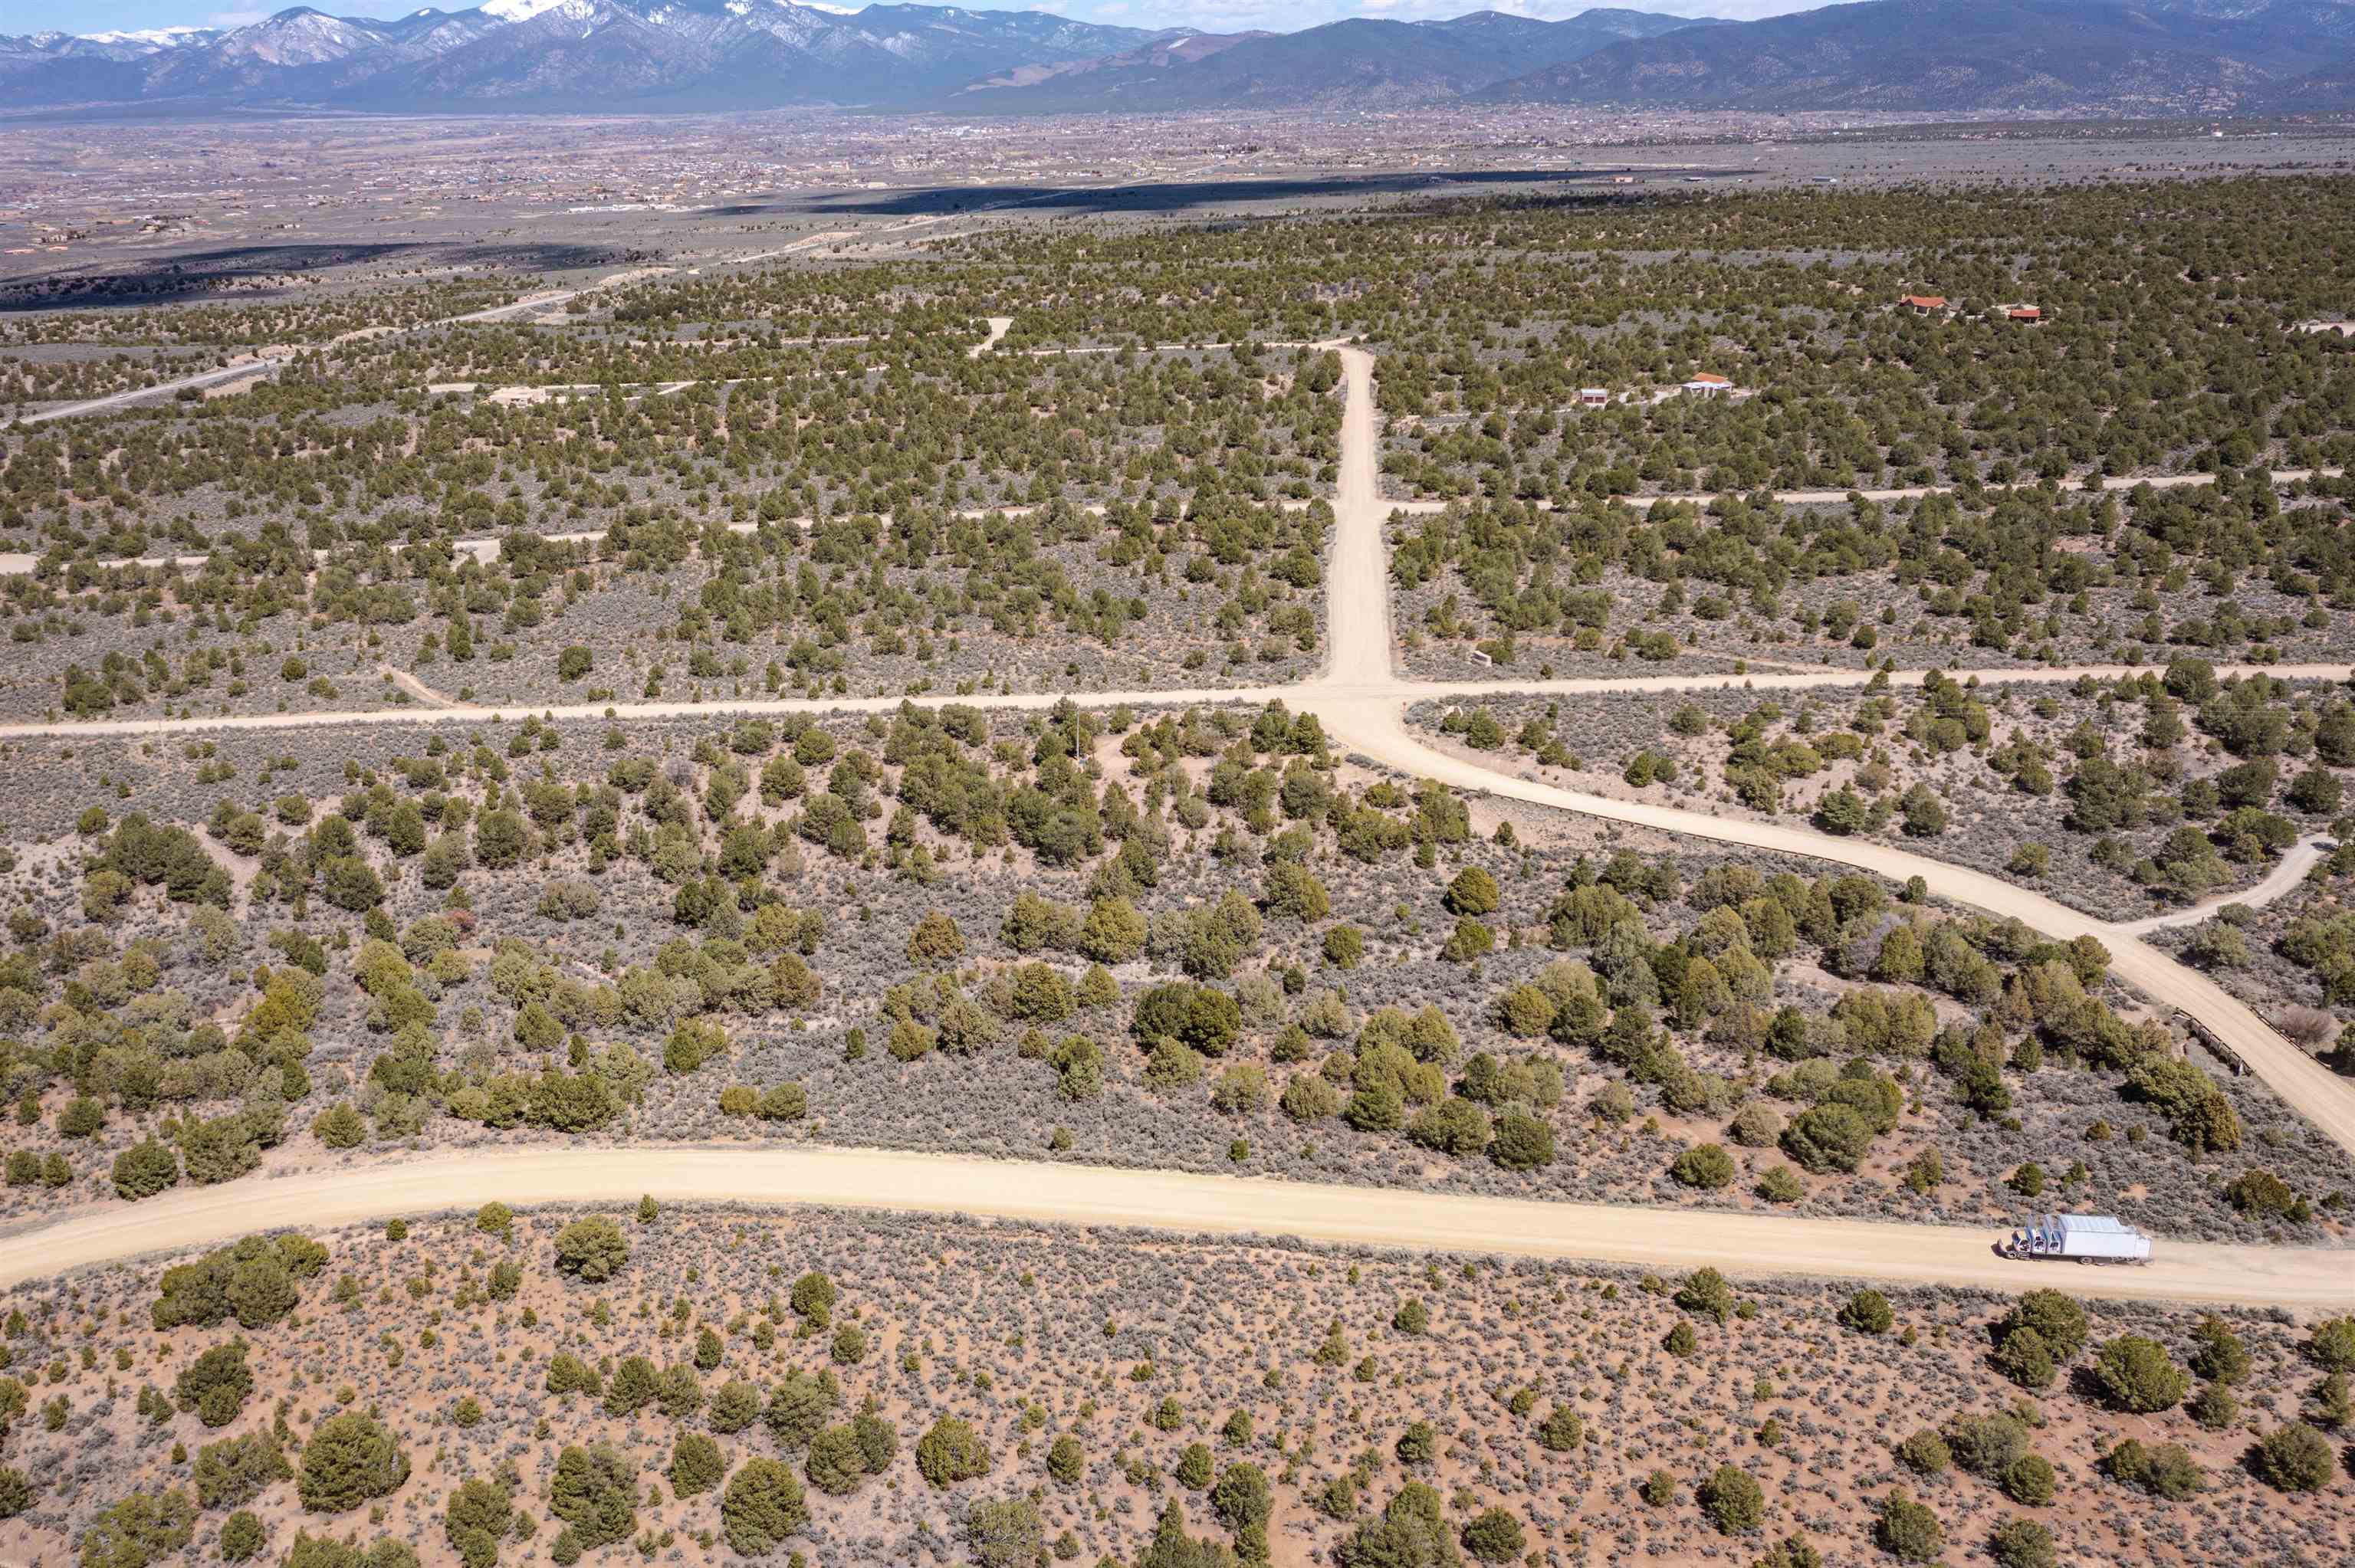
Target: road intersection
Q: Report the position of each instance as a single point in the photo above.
(1362, 703)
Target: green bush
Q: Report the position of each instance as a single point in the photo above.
(2029, 1479)
(591, 1249)
(696, 1465)
(233, 1472)
(1706, 1166)
(1868, 1312)
(349, 1460)
(1494, 1535)
(1733, 1499)
(1926, 1453)
(1006, 1532)
(2022, 1544)
(241, 1537)
(476, 1520)
(2165, 1470)
(142, 1529)
(216, 1385)
(595, 1493)
(2293, 1458)
(950, 1451)
(1908, 1530)
(762, 1507)
(2137, 1375)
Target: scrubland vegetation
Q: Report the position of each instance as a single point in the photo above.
(2123, 797)
(1193, 938)
(503, 1387)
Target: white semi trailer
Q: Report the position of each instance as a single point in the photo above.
(2087, 1238)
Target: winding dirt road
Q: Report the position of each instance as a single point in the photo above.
(2303, 858)
(1754, 1246)
(1362, 703)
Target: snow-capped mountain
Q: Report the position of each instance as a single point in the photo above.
(602, 55)
(557, 54)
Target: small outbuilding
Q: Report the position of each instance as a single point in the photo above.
(2025, 315)
(1594, 397)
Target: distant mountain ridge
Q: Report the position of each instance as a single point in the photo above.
(2167, 56)
(563, 54)
(2154, 56)
(1413, 61)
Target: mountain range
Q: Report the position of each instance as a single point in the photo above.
(2154, 56)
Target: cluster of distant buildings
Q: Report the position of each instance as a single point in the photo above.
(1709, 384)
(1939, 305)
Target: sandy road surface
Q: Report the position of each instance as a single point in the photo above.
(2302, 858)
(1740, 1244)
(141, 394)
(1916, 492)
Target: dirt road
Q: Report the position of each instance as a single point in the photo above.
(1378, 729)
(2303, 858)
(1362, 703)
(1740, 1244)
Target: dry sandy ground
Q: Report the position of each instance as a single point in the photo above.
(1033, 1334)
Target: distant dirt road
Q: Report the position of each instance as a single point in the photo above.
(2303, 858)
(1752, 1246)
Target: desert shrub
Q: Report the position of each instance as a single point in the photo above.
(216, 1385)
(1831, 1136)
(763, 1507)
(1561, 1430)
(1706, 1294)
(1987, 1445)
(144, 1169)
(243, 1537)
(2293, 1458)
(142, 1529)
(2029, 1479)
(1705, 1166)
(1733, 1499)
(1908, 1530)
(2260, 1195)
(1522, 1141)
(1924, 1453)
(255, 1280)
(799, 1406)
(591, 1249)
(349, 1460)
(594, 1491)
(950, 1451)
(2164, 1469)
(1242, 1497)
(696, 1465)
(2021, 1543)
(2137, 1374)
(1006, 1532)
(233, 1472)
(2331, 1345)
(1411, 1530)
(476, 1518)
(1868, 1312)
(1494, 1535)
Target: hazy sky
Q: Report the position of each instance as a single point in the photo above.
(1211, 15)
